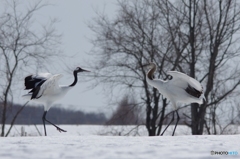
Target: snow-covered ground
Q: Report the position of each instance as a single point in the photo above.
(83, 142)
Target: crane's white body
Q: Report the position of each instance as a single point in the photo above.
(179, 89)
(175, 89)
(50, 90)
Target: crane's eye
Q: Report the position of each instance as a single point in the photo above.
(169, 77)
(77, 69)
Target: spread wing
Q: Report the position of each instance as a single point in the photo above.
(34, 82)
(189, 84)
(50, 86)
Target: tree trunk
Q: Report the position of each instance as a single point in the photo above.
(4, 118)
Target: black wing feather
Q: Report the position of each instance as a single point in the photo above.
(192, 91)
(34, 84)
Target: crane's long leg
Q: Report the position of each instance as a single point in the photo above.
(44, 119)
(178, 118)
(168, 124)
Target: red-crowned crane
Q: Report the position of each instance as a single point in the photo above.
(44, 88)
(179, 88)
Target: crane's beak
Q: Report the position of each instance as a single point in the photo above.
(85, 70)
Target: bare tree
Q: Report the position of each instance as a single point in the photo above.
(21, 47)
(127, 43)
(208, 33)
(221, 23)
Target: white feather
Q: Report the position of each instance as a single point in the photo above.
(182, 80)
(50, 87)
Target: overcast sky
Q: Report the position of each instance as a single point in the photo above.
(73, 17)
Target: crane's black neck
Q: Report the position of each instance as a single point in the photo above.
(75, 79)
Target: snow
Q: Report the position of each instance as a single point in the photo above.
(90, 145)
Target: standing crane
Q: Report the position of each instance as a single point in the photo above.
(44, 88)
(179, 88)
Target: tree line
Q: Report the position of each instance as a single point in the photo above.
(31, 115)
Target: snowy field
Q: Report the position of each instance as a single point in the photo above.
(91, 142)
